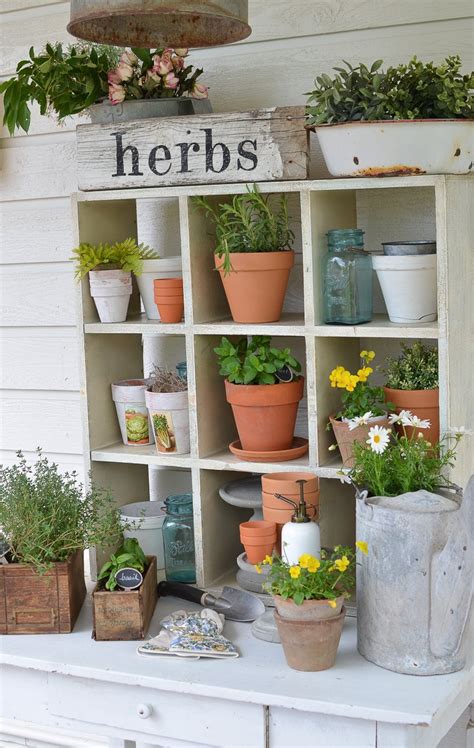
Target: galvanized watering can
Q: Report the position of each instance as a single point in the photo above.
(414, 587)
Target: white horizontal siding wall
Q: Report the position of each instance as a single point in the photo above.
(292, 42)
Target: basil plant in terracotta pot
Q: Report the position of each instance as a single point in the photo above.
(363, 404)
(414, 118)
(110, 268)
(263, 385)
(412, 385)
(252, 253)
(309, 599)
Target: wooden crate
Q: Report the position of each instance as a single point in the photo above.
(32, 603)
(125, 615)
(234, 147)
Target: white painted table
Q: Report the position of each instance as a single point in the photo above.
(105, 688)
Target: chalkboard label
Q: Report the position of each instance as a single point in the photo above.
(129, 579)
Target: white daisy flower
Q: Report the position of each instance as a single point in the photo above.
(344, 477)
(419, 423)
(405, 417)
(394, 418)
(379, 438)
(359, 420)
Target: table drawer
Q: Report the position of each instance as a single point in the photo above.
(197, 719)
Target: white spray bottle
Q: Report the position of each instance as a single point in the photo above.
(301, 535)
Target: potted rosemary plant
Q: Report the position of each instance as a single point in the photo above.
(47, 520)
(113, 85)
(362, 405)
(252, 253)
(110, 268)
(263, 386)
(167, 402)
(309, 598)
(400, 121)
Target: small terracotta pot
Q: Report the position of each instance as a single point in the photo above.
(309, 610)
(258, 538)
(166, 283)
(346, 438)
(286, 484)
(265, 414)
(280, 516)
(310, 645)
(165, 293)
(422, 403)
(170, 304)
(256, 286)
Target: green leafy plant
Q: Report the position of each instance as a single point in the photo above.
(126, 255)
(46, 516)
(417, 90)
(248, 224)
(311, 578)
(360, 399)
(415, 369)
(254, 361)
(129, 556)
(393, 463)
(63, 81)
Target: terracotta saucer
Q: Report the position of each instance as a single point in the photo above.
(298, 449)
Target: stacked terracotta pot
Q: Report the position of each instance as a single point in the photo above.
(258, 538)
(169, 299)
(275, 510)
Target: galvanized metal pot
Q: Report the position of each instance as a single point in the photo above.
(398, 147)
(106, 113)
(417, 247)
(414, 586)
(160, 23)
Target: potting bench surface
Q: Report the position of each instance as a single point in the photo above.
(73, 682)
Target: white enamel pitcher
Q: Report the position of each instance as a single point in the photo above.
(414, 587)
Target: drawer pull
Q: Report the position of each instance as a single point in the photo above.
(144, 711)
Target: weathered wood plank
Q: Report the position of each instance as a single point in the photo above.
(39, 171)
(37, 231)
(39, 358)
(42, 295)
(257, 145)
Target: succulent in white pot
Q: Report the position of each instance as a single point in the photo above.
(416, 118)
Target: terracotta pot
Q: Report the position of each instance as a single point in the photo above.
(280, 516)
(164, 283)
(164, 293)
(309, 610)
(258, 538)
(171, 308)
(286, 484)
(256, 286)
(265, 414)
(346, 438)
(422, 403)
(310, 645)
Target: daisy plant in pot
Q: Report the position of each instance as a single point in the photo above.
(362, 405)
(309, 601)
(253, 253)
(263, 385)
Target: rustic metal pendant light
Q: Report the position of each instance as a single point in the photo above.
(160, 23)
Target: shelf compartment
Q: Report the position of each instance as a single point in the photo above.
(225, 460)
(291, 323)
(148, 455)
(136, 324)
(380, 327)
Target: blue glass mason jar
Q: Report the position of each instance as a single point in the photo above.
(347, 278)
(182, 370)
(178, 539)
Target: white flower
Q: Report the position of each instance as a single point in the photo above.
(379, 438)
(353, 423)
(344, 477)
(405, 417)
(394, 418)
(419, 423)
(332, 447)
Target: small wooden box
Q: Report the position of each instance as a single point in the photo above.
(32, 603)
(125, 615)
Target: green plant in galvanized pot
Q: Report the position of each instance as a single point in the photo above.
(400, 121)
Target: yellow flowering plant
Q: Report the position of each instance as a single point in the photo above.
(312, 578)
(359, 398)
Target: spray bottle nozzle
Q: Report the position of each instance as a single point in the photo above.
(301, 514)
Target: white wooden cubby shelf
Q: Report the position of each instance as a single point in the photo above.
(387, 210)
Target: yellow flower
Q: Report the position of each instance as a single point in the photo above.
(268, 560)
(362, 546)
(304, 560)
(341, 564)
(314, 565)
(351, 382)
(295, 571)
(332, 603)
(364, 354)
(258, 568)
(371, 355)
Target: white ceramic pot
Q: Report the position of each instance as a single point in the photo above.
(397, 148)
(146, 519)
(170, 418)
(167, 267)
(111, 291)
(408, 285)
(132, 413)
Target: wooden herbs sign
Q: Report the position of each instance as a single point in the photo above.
(256, 146)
